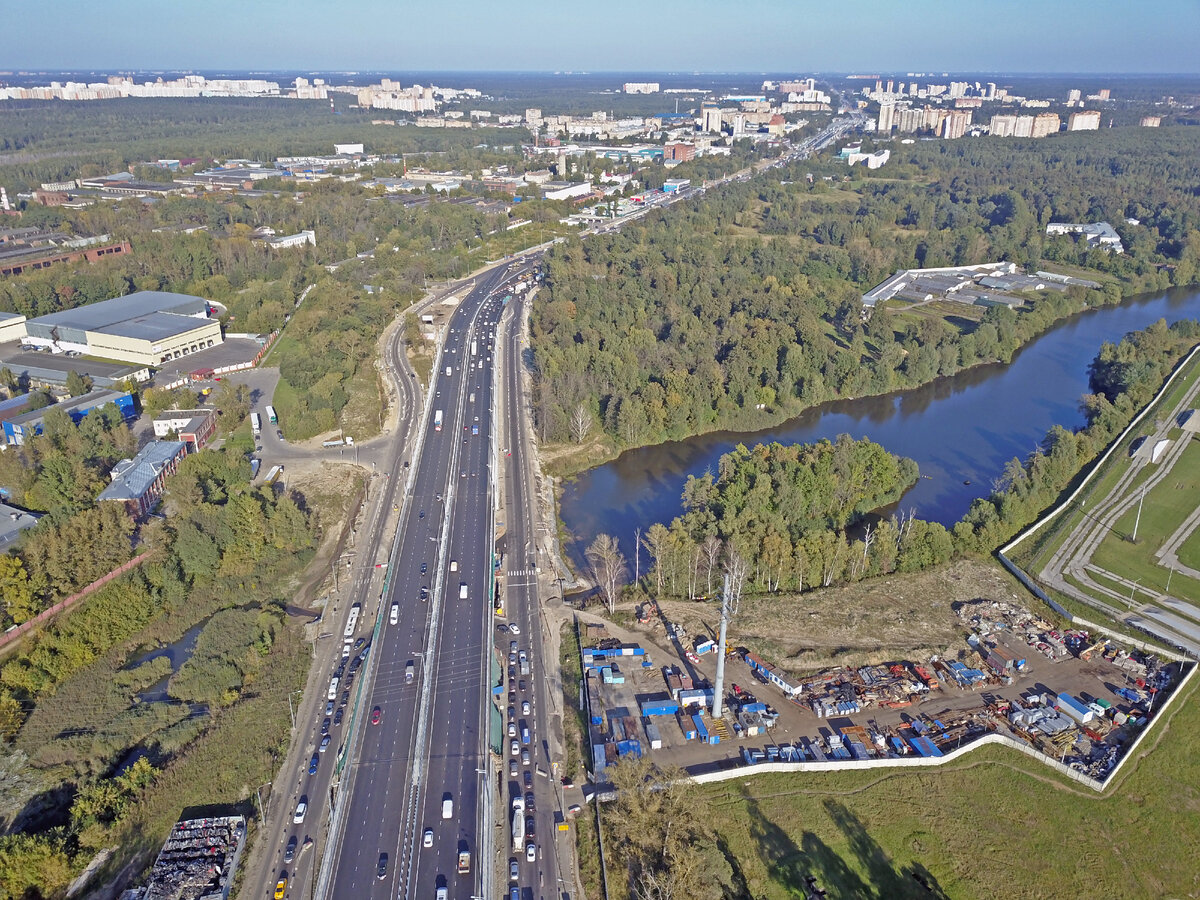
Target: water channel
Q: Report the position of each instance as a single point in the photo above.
(961, 430)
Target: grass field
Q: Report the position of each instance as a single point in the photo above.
(993, 825)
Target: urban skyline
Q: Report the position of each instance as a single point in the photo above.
(711, 36)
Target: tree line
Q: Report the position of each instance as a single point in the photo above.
(744, 305)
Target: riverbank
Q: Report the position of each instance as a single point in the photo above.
(963, 431)
(566, 460)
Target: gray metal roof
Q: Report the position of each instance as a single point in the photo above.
(13, 521)
(132, 478)
(106, 313)
(154, 326)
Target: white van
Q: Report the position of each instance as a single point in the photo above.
(332, 689)
(447, 808)
(454, 565)
(462, 591)
(449, 370)
(395, 616)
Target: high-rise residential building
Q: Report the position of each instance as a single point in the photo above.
(1084, 121)
(710, 119)
(1005, 125)
(956, 124)
(887, 117)
(1104, 94)
(991, 90)
(1073, 97)
(1023, 126)
(533, 117)
(958, 89)
(1045, 124)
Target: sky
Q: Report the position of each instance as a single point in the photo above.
(1104, 36)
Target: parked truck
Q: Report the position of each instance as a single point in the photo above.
(271, 417)
(256, 424)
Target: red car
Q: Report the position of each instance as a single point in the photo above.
(376, 715)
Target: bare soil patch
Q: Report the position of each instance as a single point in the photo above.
(882, 619)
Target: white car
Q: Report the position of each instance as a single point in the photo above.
(427, 840)
(514, 870)
(516, 749)
(531, 852)
(301, 810)
(525, 707)
(514, 627)
(512, 729)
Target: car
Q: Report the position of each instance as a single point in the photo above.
(313, 763)
(376, 715)
(406, 461)
(529, 802)
(531, 852)
(528, 779)
(515, 748)
(337, 716)
(512, 729)
(427, 838)
(424, 592)
(512, 646)
(281, 887)
(324, 744)
(525, 707)
(521, 684)
(381, 869)
(512, 712)
(325, 726)
(525, 757)
(329, 708)
(514, 870)
(359, 643)
(512, 768)
(424, 568)
(514, 894)
(514, 627)
(512, 657)
(421, 515)
(301, 810)
(441, 894)
(512, 696)
(289, 852)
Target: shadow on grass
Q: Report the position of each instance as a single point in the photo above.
(814, 866)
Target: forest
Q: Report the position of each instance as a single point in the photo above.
(78, 697)
(794, 518)
(744, 308)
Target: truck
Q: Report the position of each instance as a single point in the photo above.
(437, 420)
(524, 661)
(464, 862)
(273, 475)
(474, 348)
(256, 424)
(271, 417)
(409, 672)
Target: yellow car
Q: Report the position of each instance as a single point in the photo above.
(280, 888)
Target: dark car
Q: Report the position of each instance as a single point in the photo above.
(421, 515)
(313, 763)
(289, 852)
(424, 568)
(337, 716)
(325, 726)
(381, 870)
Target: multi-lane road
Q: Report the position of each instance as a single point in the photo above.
(423, 766)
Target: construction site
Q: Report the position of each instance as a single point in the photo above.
(1074, 697)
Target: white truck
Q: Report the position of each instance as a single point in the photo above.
(256, 424)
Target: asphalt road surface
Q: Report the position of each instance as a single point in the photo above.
(424, 765)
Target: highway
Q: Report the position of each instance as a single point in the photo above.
(411, 782)
(429, 745)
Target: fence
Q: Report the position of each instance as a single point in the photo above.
(908, 762)
(25, 627)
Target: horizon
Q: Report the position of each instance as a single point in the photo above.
(1067, 37)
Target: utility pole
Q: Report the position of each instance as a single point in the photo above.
(718, 699)
(1138, 519)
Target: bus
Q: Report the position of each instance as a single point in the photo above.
(271, 417)
(255, 424)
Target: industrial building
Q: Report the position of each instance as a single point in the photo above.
(139, 482)
(989, 284)
(197, 861)
(1096, 234)
(20, 428)
(192, 426)
(148, 328)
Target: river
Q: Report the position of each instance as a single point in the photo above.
(961, 430)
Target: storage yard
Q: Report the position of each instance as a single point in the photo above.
(1070, 695)
(197, 860)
